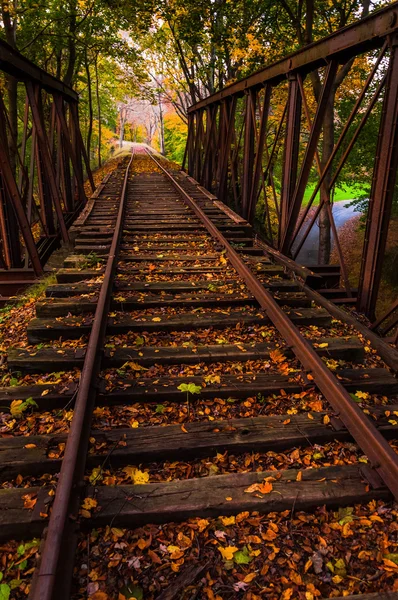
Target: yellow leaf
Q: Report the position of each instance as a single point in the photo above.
(156, 319)
(228, 552)
(250, 577)
(227, 521)
(89, 503)
(202, 524)
(184, 429)
(15, 407)
(324, 345)
(134, 366)
(276, 356)
(363, 395)
(263, 488)
(30, 446)
(138, 477)
(326, 420)
(118, 532)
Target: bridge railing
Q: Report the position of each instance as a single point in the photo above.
(41, 168)
(257, 142)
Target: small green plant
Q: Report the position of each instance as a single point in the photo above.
(18, 407)
(189, 388)
(92, 260)
(33, 292)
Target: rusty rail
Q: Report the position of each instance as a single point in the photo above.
(382, 456)
(76, 446)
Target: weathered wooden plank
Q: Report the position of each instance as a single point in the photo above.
(225, 495)
(66, 290)
(201, 439)
(42, 329)
(145, 390)
(135, 505)
(17, 522)
(64, 306)
(48, 359)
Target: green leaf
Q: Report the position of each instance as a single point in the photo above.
(132, 591)
(160, 409)
(345, 515)
(21, 550)
(139, 341)
(242, 557)
(190, 387)
(393, 557)
(355, 398)
(340, 568)
(13, 381)
(23, 565)
(5, 591)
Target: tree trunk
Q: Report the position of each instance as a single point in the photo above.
(68, 79)
(10, 27)
(161, 125)
(90, 105)
(99, 110)
(121, 133)
(324, 221)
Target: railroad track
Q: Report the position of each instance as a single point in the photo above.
(191, 342)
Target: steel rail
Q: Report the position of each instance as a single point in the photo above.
(383, 459)
(49, 563)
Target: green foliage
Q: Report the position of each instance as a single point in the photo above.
(190, 388)
(175, 137)
(5, 591)
(242, 557)
(18, 407)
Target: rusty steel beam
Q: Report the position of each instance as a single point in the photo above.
(248, 151)
(363, 35)
(42, 141)
(291, 151)
(382, 192)
(17, 65)
(294, 209)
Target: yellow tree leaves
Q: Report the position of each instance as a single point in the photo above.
(138, 477)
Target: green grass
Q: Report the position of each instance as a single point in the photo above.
(348, 193)
(33, 292)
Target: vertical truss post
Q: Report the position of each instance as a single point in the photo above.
(48, 167)
(67, 151)
(248, 150)
(287, 234)
(382, 191)
(80, 147)
(291, 151)
(207, 169)
(190, 142)
(223, 174)
(198, 144)
(258, 166)
(15, 210)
